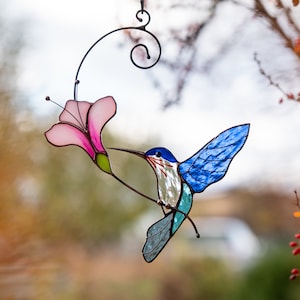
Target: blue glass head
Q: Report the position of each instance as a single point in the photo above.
(161, 152)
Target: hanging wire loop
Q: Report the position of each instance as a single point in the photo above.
(143, 17)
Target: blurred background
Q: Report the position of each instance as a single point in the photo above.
(68, 231)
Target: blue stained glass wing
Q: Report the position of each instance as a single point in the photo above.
(158, 236)
(211, 163)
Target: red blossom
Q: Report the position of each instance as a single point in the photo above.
(290, 96)
(294, 274)
(293, 244)
(293, 277)
(296, 251)
(295, 271)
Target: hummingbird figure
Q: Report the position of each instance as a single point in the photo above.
(177, 182)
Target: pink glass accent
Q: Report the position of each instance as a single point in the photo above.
(99, 114)
(81, 124)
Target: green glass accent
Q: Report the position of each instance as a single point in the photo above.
(185, 205)
(102, 162)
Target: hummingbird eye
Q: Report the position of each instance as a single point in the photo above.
(158, 154)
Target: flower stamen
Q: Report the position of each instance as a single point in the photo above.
(80, 121)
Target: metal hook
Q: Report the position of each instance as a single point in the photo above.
(142, 28)
(142, 6)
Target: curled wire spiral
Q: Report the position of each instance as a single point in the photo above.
(143, 17)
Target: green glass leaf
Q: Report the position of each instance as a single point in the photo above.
(102, 162)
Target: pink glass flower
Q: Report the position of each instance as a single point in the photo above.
(81, 124)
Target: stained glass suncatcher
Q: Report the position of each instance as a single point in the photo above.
(81, 124)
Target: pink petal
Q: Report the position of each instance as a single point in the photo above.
(75, 112)
(99, 114)
(63, 134)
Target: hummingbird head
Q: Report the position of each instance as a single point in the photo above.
(162, 161)
(162, 153)
(158, 157)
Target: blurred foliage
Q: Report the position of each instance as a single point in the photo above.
(267, 211)
(113, 277)
(197, 279)
(57, 193)
(207, 279)
(81, 203)
(268, 279)
(15, 226)
(50, 197)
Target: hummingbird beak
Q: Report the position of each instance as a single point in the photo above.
(138, 153)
